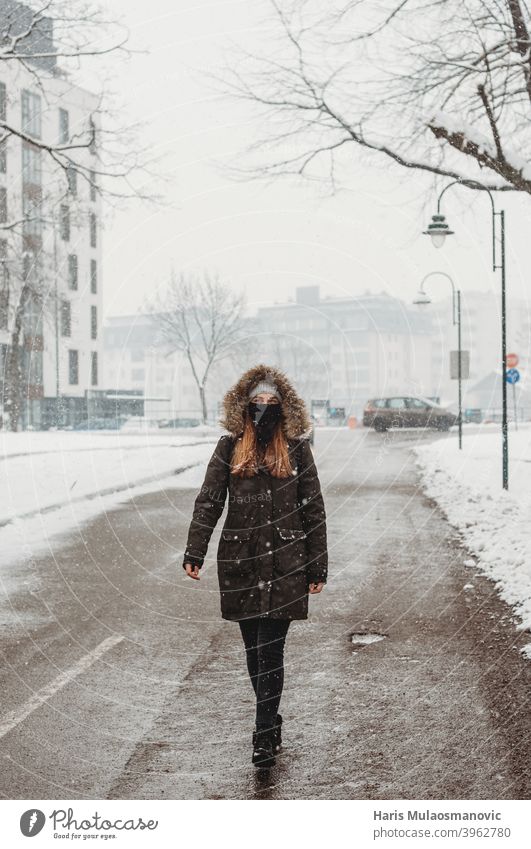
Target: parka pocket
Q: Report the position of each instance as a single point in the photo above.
(235, 546)
(291, 533)
(291, 549)
(227, 535)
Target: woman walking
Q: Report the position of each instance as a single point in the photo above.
(272, 551)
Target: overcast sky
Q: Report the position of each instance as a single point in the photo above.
(267, 239)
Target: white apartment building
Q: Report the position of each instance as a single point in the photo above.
(137, 360)
(56, 238)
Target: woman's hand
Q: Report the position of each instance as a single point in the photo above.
(192, 571)
(316, 588)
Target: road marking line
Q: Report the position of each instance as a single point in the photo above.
(16, 716)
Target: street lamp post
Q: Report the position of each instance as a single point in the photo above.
(438, 229)
(421, 299)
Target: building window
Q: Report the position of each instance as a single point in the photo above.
(32, 319)
(3, 205)
(66, 318)
(73, 367)
(3, 116)
(64, 126)
(29, 267)
(93, 229)
(71, 177)
(72, 271)
(32, 367)
(93, 276)
(93, 322)
(31, 164)
(4, 286)
(64, 218)
(31, 114)
(94, 369)
(31, 208)
(92, 178)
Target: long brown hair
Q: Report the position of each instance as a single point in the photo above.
(246, 453)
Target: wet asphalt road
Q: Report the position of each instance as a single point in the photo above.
(120, 680)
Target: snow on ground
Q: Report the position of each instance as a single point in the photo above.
(495, 523)
(48, 473)
(53, 482)
(38, 441)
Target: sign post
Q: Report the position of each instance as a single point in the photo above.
(460, 369)
(512, 376)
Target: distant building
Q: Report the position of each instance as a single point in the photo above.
(339, 350)
(486, 395)
(136, 358)
(481, 336)
(347, 350)
(57, 242)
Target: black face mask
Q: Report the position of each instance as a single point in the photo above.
(265, 418)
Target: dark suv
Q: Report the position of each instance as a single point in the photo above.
(406, 411)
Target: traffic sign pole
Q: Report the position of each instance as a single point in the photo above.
(512, 376)
(505, 435)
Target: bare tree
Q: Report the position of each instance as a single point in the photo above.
(438, 86)
(42, 45)
(204, 319)
(49, 38)
(34, 304)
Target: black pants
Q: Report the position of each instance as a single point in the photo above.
(264, 644)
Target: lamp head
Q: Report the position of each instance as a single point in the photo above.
(421, 299)
(438, 230)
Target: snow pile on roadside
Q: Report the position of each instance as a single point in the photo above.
(53, 472)
(44, 442)
(53, 485)
(495, 523)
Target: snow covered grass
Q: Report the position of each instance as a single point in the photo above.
(495, 523)
(52, 482)
(32, 442)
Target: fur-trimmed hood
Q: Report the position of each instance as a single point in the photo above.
(296, 419)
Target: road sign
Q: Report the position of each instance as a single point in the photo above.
(512, 360)
(454, 365)
(512, 375)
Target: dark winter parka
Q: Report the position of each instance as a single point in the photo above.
(273, 542)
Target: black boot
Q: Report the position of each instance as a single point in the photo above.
(277, 735)
(277, 744)
(263, 748)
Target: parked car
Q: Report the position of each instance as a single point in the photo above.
(407, 411)
(473, 415)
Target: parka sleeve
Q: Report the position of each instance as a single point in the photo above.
(209, 503)
(313, 516)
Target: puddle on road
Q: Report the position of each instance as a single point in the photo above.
(362, 639)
